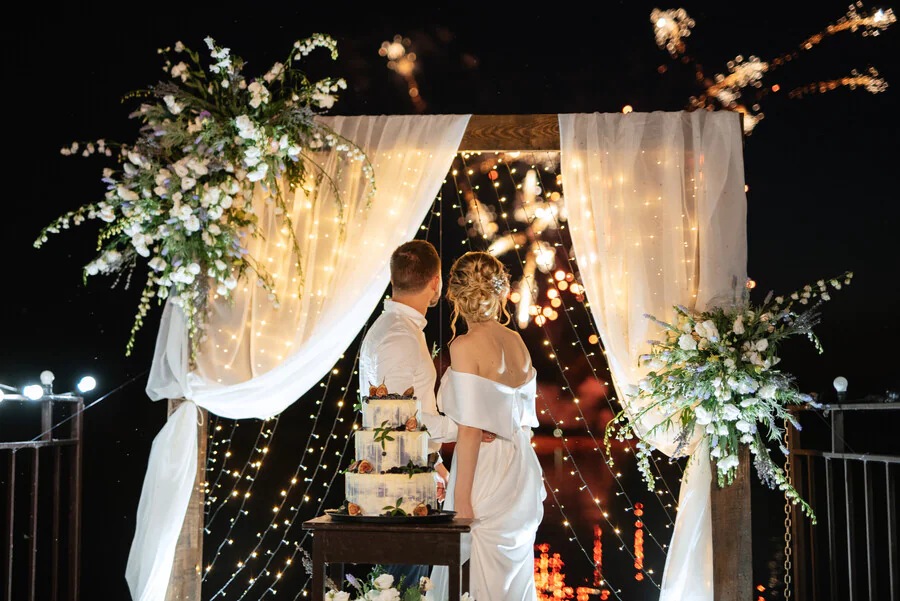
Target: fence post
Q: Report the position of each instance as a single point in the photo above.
(732, 547)
(187, 568)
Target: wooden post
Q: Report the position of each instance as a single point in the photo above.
(187, 568)
(732, 535)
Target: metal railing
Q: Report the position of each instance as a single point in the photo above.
(852, 553)
(37, 478)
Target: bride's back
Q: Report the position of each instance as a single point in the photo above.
(492, 351)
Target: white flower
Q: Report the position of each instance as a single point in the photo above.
(632, 390)
(325, 101)
(192, 224)
(657, 364)
(707, 330)
(730, 412)
(342, 596)
(214, 229)
(466, 597)
(187, 183)
(384, 581)
(716, 452)
(293, 150)
(687, 343)
(106, 213)
(180, 70)
(762, 344)
(274, 72)
(767, 392)
(743, 426)
(390, 594)
(174, 107)
(645, 385)
(425, 584)
(826, 296)
(220, 265)
(180, 169)
(260, 173)
(157, 264)
(703, 416)
(726, 463)
(258, 94)
(728, 363)
(215, 213)
(245, 126)
(179, 47)
(194, 268)
(226, 202)
(230, 283)
(738, 327)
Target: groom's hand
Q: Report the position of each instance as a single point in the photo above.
(487, 436)
(442, 477)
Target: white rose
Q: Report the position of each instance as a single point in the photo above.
(425, 584)
(192, 223)
(215, 213)
(226, 202)
(707, 330)
(687, 343)
(384, 581)
(762, 345)
(738, 327)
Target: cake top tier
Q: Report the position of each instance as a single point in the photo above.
(381, 393)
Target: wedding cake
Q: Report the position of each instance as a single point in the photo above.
(391, 473)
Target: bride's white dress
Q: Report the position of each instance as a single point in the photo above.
(507, 492)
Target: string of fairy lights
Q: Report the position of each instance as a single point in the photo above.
(288, 523)
(557, 423)
(578, 342)
(285, 525)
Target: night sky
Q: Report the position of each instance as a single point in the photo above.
(821, 173)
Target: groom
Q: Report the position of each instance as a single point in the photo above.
(394, 352)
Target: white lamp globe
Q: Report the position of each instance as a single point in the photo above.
(87, 384)
(840, 384)
(47, 377)
(33, 391)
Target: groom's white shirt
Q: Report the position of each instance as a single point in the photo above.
(394, 352)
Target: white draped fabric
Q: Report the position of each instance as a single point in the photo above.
(257, 357)
(657, 214)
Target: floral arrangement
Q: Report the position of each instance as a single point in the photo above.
(379, 586)
(181, 197)
(715, 370)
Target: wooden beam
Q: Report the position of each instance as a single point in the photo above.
(732, 542)
(187, 568)
(510, 133)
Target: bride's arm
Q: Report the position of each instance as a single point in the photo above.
(467, 446)
(468, 440)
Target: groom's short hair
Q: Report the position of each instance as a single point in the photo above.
(413, 264)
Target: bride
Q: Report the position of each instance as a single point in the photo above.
(491, 386)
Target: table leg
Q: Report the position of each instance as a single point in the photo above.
(465, 576)
(454, 570)
(318, 586)
(337, 574)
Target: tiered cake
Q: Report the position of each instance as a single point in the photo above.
(391, 459)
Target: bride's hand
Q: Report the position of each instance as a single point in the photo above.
(487, 436)
(464, 510)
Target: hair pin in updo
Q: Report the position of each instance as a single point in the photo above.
(499, 283)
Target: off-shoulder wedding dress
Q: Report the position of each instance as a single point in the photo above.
(507, 491)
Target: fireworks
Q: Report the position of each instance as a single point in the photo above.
(728, 91)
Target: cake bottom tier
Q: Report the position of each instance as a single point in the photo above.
(373, 492)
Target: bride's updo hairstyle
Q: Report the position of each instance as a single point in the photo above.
(477, 289)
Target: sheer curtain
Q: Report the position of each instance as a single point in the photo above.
(258, 356)
(657, 214)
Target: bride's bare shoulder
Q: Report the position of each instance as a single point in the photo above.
(463, 353)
